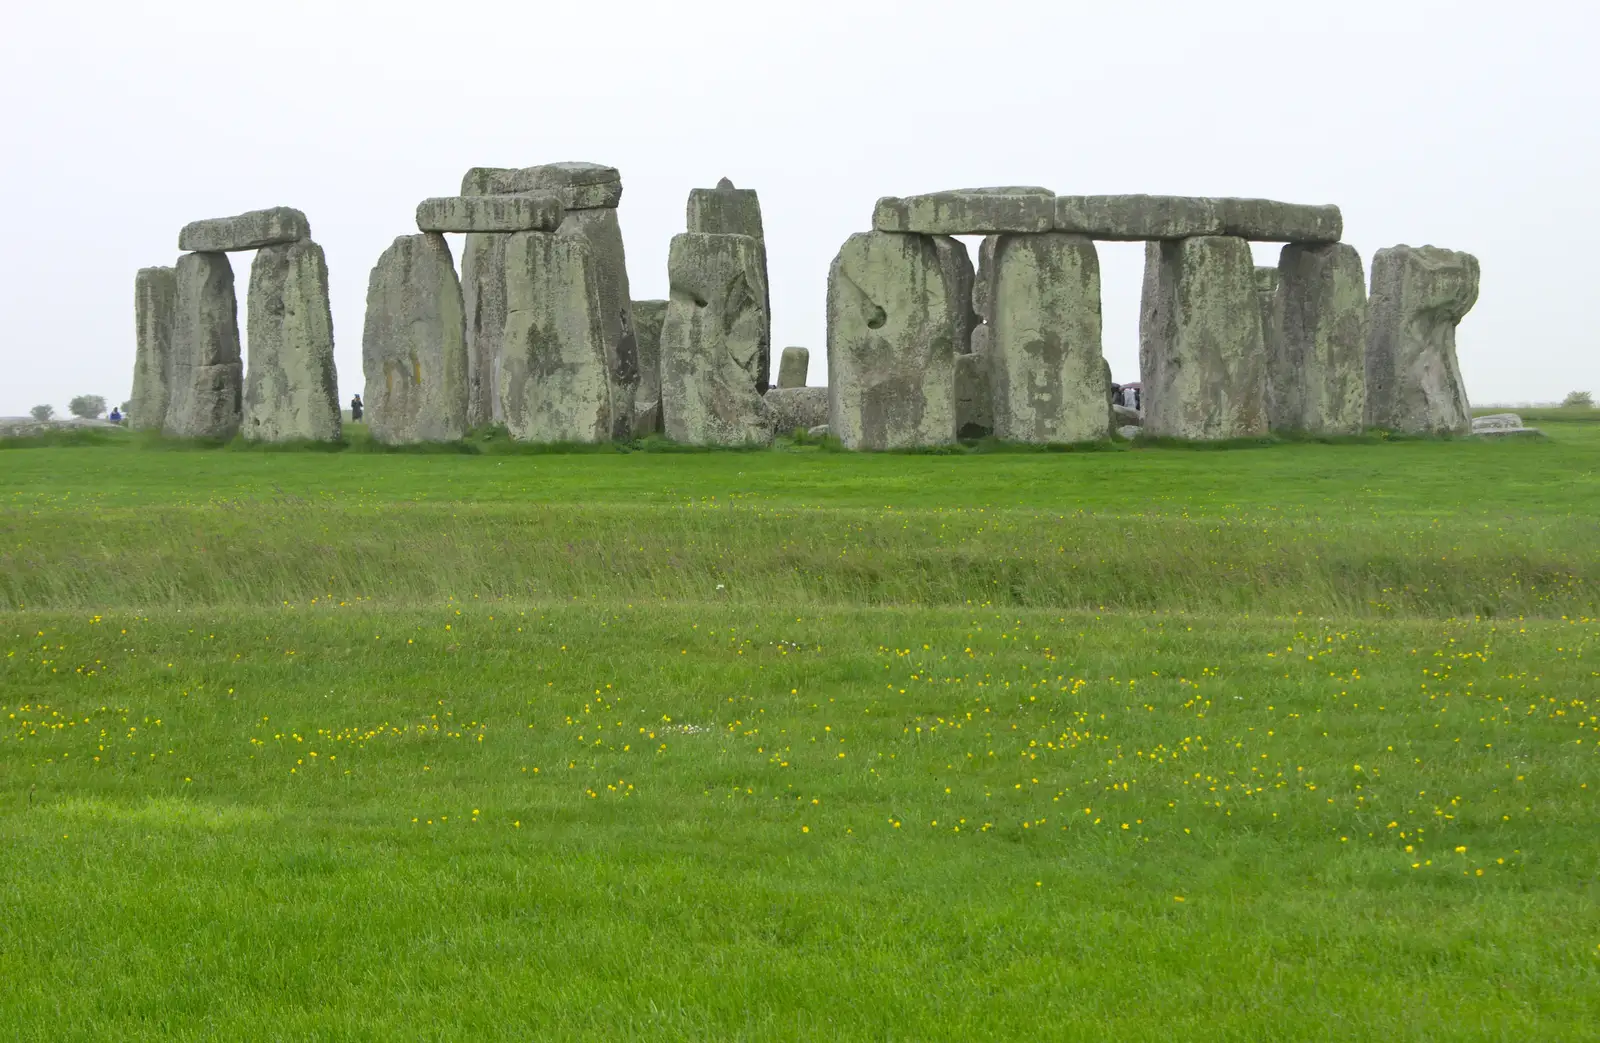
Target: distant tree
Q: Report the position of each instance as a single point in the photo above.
(87, 407)
(1581, 399)
(123, 409)
(42, 413)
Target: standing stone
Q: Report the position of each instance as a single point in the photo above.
(1202, 358)
(648, 317)
(1049, 376)
(1419, 296)
(793, 367)
(207, 374)
(599, 226)
(1267, 298)
(555, 385)
(155, 301)
(961, 283)
(711, 342)
(726, 210)
(291, 390)
(414, 347)
(891, 343)
(1317, 341)
(974, 395)
(483, 298)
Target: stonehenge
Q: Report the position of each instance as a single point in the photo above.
(539, 331)
(1419, 296)
(413, 346)
(711, 342)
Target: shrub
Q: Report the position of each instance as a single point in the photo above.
(42, 413)
(1581, 399)
(87, 407)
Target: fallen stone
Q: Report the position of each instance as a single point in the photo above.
(1317, 342)
(1419, 296)
(1127, 415)
(891, 343)
(1050, 381)
(1202, 356)
(291, 389)
(599, 226)
(207, 373)
(483, 297)
(580, 186)
(155, 302)
(726, 210)
(648, 317)
(820, 431)
(712, 341)
(1134, 217)
(1496, 422)
(961, 284)
(793, 367)
(968, 211)
(797, 409)
(974, 396)
(555, 384)
(520, 213)
(249, 231)
(1130, 431)
(414, 346)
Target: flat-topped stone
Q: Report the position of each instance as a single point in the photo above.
(155, 302)
(968, 211)
(534, 212)
(249, 231)
(726, 210)
(581, 186)
(1149, 217)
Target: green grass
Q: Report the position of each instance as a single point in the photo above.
(1108, 745)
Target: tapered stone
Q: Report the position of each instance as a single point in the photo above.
(1049, 376)
(793, 367)
(711, 342)
(1202, 357)
(483, 298)
(291, 389)
(249, 231)
(414, 346)
(1419, 296)
(892, 323)
(1317, 341)
(648, 317)
(207, 373)
(599, 226)
(961, 282)
(555, 385)
(726, 210)
(155, 302)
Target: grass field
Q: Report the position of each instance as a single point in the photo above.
(1291, 742)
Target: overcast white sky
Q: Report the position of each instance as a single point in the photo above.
(1467, 125)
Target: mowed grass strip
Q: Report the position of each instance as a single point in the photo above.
(687, 822)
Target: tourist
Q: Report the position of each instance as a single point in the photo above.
(355, 408)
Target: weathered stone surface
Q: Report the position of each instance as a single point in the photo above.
(599, 226)
(983, 278)
(793, 367)
(648, 317)
(580, 186)
(1126, 415)
(483, 297)
(1419, 295)
(1201, 354)
(540, 212)
(968, 211)
(797, 409)
(1267, 298)
(1130, 431)
(1266, 220)
(711, 342)
(555, 385)
(960, 283)
(155, 302)
(291, 390)
(891, 343)
(1317, 341)
(1134, 217)
(974, 395)
(249, 231)
(414, 346)
(982, 339)
(726, 210)
(1049, 376)
(207, 374)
